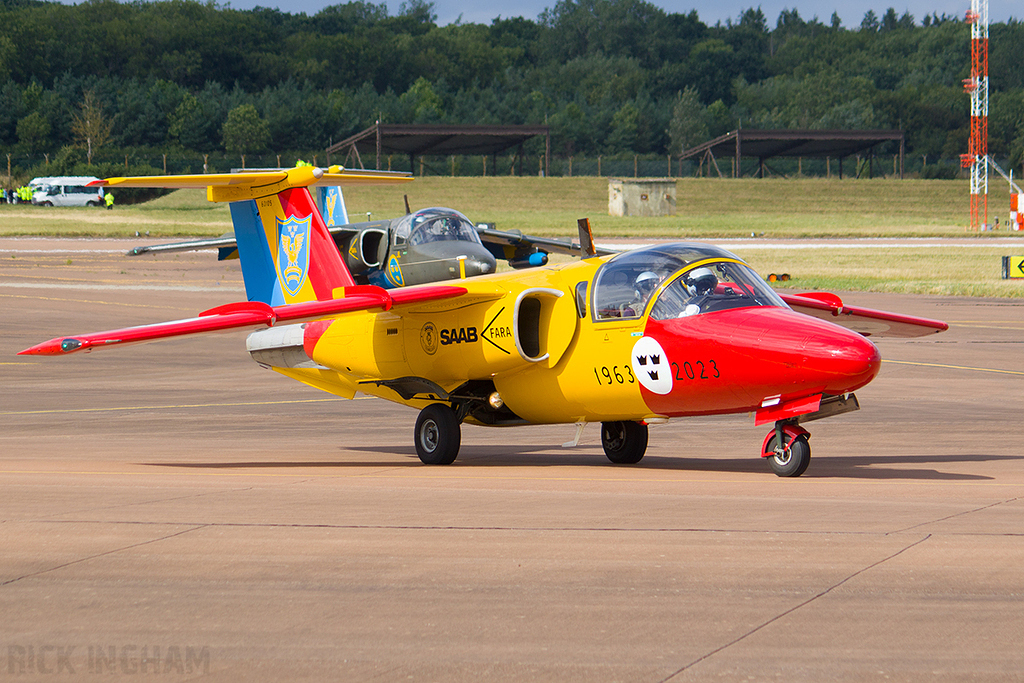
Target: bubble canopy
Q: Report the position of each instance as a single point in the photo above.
(705, 278)
(436, 224)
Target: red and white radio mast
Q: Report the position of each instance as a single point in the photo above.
(977, 87)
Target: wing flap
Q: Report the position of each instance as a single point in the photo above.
(866, 321)
(246, 314)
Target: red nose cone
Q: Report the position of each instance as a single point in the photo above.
(731, 361)
(844, 360)
(814, 354)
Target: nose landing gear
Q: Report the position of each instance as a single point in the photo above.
(787, 450)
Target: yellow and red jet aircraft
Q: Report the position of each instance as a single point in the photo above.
(666, 331)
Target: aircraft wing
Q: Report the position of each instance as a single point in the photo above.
(225, 243)
(866, 321)
(221, 242)
(505, 243)
(248, 314)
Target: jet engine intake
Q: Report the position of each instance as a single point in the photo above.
(544, 323)
(362, 250)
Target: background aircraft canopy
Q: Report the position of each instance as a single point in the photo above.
(435, 225)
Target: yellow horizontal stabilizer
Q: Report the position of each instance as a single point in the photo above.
(223, 187)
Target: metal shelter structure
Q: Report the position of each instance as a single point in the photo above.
(977, 87)
(767, 144)
(418, 140)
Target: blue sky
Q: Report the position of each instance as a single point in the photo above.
(710, 11)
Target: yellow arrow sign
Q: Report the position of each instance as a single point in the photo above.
(1013, 267)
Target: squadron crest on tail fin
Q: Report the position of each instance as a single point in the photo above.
(293, 252)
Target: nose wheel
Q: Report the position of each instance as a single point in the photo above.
(793, 456)
(437, 435)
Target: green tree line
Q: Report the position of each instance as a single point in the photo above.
(609, 76)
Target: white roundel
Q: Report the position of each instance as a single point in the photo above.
(651, 366)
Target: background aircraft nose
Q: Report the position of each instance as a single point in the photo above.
(479, 261)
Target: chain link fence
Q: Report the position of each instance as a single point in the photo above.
(20, 168)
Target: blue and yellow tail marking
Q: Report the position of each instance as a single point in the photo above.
(332, 206)
(276, 245)
(258, 269)
(293, 252)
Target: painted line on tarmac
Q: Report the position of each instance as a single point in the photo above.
(68, 250)
(796, 245)
(954, 367)
(990, 327)
(488, 527)
(121, 288)
(93, 301)
(183, 406)
(894, 245)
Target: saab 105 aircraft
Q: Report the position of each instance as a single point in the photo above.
(428, 245)
(667, 331)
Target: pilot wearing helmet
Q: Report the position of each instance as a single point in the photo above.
(644, 286)
(700, 283)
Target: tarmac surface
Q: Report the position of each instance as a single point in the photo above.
(172, 510)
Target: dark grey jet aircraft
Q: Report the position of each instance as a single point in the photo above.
(428, 245)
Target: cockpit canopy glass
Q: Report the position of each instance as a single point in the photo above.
(624, 286)
(435, 225)
(714, 287)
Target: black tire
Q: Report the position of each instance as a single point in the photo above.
(94, 204)
(438, 435)
(624, 442)
(794, 463)
(47, 204)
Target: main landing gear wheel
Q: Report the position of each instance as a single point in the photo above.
(793, 461)
(438, 435)
(624, 442)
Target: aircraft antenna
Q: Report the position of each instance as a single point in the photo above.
(977, 87)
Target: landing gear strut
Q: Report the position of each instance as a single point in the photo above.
(437, 435)
(787, 450)
(624, 442)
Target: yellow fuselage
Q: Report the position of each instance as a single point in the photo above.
(520, 330)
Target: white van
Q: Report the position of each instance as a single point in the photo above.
(66, 191)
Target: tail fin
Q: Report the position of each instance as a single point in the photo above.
(287, 254)
(332, 205)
